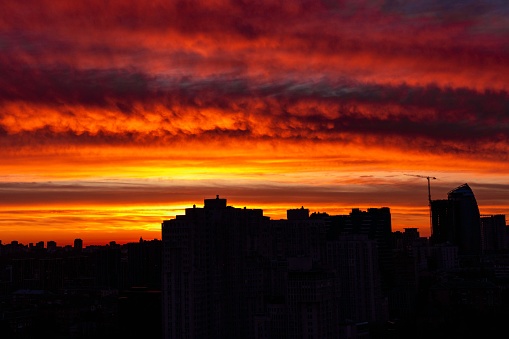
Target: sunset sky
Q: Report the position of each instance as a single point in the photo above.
(117, 115)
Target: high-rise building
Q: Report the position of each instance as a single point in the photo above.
(144, 264)
(209, 283)
(494, 233)
(441, 232)
(376, 224)
(457, 221)
(78, 245)
(355, 259)
(312, 302)
(234, 273)
(51, 246)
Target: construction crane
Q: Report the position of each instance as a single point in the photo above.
(429, 195)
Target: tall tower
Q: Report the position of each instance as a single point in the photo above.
(376, 224)
(457, 220)
(206, 281)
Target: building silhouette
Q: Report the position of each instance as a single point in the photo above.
(457, 221)
(375, 224)
(354, 259)
(78, 245)
(208, 283)
(494, 234)
(225, 272)
(234, 273)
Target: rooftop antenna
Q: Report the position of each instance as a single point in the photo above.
(429, 195)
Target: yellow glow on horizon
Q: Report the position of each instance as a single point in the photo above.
(194, 162)
(101, 222)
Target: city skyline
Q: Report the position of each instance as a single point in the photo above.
(116, 116)
(72, 242)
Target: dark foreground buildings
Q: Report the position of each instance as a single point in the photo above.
(234, 273)
(111, 291)
(225, 272)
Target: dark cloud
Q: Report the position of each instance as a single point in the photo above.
(416, 116)
(105, 193)
(64, 85)
(443, 30)
(399, 195)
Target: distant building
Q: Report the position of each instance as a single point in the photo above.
(457, 221)
(51, 246)
(312, 302)
(375, 223)
(78, 245)
(234, 273)
(494, 234)
(297, 214)
(444, 257)
(144, 264)
(355, 259)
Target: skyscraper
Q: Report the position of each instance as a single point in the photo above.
(376, 224)
(457, 220)
(234, 273)
(494, 233)
(78, 244)
(207, 283)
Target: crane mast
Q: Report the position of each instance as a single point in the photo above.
(429, 196)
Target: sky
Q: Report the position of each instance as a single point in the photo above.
(117, 115)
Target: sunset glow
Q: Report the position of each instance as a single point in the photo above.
(117, 115)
